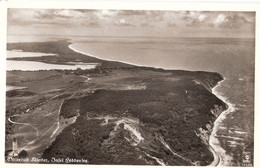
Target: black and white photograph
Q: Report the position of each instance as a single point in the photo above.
(110, 86)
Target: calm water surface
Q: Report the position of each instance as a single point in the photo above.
(36, 66)
(233, 58)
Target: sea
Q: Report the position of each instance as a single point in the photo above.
(233, 58)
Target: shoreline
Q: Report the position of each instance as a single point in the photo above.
(220, 156)
(38, 66)
(129, 63)
(104, 59)
(213, 147)
(11, 88)
(217, 151)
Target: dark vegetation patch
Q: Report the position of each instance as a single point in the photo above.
(70, 108)
(13, 93)
(171, 108)
(173, 117)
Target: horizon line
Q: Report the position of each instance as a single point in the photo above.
(130, 36)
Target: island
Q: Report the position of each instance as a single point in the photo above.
(113, 114)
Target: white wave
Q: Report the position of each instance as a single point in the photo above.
(224, 159)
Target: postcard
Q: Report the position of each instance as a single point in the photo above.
(129, 83)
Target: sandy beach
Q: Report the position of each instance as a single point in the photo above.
(220, 156)
(107, 84)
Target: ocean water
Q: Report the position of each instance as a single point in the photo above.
(234, 58)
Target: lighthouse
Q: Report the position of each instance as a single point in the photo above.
(15, 148)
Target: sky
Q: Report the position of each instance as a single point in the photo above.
(82, 22)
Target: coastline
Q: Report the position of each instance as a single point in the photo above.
(104, 59)
(218, 152)
(10, 88)
(13, 65)
(220, 156)
(217, 157)
(70, 46)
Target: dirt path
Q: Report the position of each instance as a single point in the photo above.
(28, 124)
